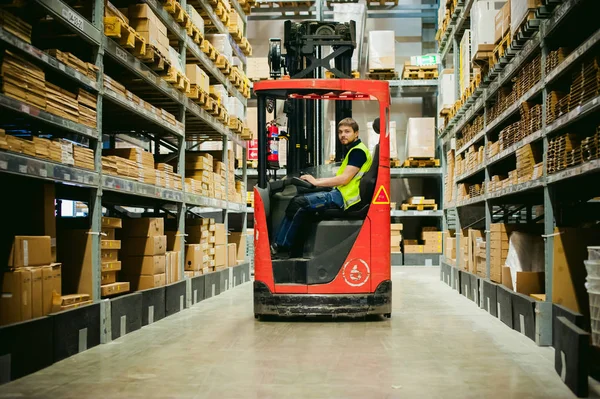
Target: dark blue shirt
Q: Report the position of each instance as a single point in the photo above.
(356, 158)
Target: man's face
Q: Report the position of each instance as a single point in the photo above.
(347, 135)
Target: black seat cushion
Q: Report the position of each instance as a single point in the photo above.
(367, 189)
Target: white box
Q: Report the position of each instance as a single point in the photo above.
(518, 13)
(441, 13)
(382, 50)
(420, 138)
(447, 96)
(483, 15)
(196, 18)
(465, 61)
(222, 45)
(258, 68)
(373, 139)
(346, 12)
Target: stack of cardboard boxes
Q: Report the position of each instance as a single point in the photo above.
(199, 174)
(432, 240)
(450, 246)
(499, 244)
(147, 24)
(396, 237)
(109, 250)
(221, 248)
(200, 248)
(28, 288)
(144, 250)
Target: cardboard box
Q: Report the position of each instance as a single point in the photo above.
(395, 241)
(37, 306)
(395, 249)
(382, 51)
(108, 233)
(432, 236)
(114, 288)
(144, 282)
(197, 77)
(147, 265)
(414, 249)
(240, 241)
(220, 255)
(193, 257)
(16, 297)
(138, 246)
(144, 227)
(519, 9)
(220, 235)
(231, 254)
(420, 138)
(51, 282)
(450, 248)
(111, 265)
(527, 282)
(483, 16)
(432, 248)
(473, 236)
(109, 255)
(108, 278)
(447, 96)
(465, 62)
(30, 251)
(110, 244)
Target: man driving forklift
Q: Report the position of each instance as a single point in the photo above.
(344, 187)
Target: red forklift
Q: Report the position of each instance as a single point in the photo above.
(342, 266)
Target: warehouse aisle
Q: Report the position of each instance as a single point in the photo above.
(435, 346)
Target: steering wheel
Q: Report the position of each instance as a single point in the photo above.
(296, 181)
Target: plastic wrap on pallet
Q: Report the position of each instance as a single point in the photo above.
(258, 68)
(382, 51)
(420, 138)
(373, 139)
(196, 18)
(222, 45)
(441, 13)
(175, 59)
(465, 61)
(220, 91)
(346, 12)
(518, 12)
(483, 15)
(447, 96)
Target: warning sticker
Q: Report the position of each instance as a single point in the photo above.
(382, 197)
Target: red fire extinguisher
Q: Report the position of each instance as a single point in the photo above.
(273, 144)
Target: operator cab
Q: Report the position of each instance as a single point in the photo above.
(326, 238)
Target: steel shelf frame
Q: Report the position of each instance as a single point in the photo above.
(95, 180)
(542, 190)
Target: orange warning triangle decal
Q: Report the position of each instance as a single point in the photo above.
(382, 197)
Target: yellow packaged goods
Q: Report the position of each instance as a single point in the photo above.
(114, 288)
(30, 251)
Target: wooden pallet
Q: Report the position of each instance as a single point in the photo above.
(236, 33)
(195, 34)
(382, 74)
(178, 80)
(127, 37)
(500, 50)
(156, 60)
(177, 12)
(208, 49)
(197, 95)
(223, 64)
(209, 104)
(418, 207)
(421, 163)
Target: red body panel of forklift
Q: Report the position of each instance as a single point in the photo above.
(368, 264)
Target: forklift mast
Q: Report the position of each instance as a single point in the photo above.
(304, 43)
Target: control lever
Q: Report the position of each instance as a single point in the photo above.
(296, 181)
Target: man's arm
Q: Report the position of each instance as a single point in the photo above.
(335, 181)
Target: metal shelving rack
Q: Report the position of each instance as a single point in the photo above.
(198, 125)
(480, 210)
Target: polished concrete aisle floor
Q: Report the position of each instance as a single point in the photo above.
(436, 345)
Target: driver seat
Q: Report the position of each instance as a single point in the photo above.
(367, 188)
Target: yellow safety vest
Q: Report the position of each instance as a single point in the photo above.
(351, 191)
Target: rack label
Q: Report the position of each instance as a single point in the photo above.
(122, 54)
(25, 108)
(23, 168)
(73, 18)
(67, 176)
(3, 165)
(43, 172)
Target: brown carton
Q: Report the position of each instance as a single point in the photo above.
(231, 254)
(220, 255)
(108, 233)
(109, 255)
(193, 257)
(174, 240)
(114, 288)
(414, 249)
(220, 237)
(108, 278)
(240, 241)
(145, 282)
(147, 265)
(144, 227)
(16, 297)
(111, 223)
(110, 244)
(138, 246)
(30, 251)
(111, 265)
(37, 308)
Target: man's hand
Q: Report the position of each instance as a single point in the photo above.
(309, 179)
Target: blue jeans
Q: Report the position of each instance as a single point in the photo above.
(310, 203)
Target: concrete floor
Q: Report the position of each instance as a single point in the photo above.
(437, 345)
